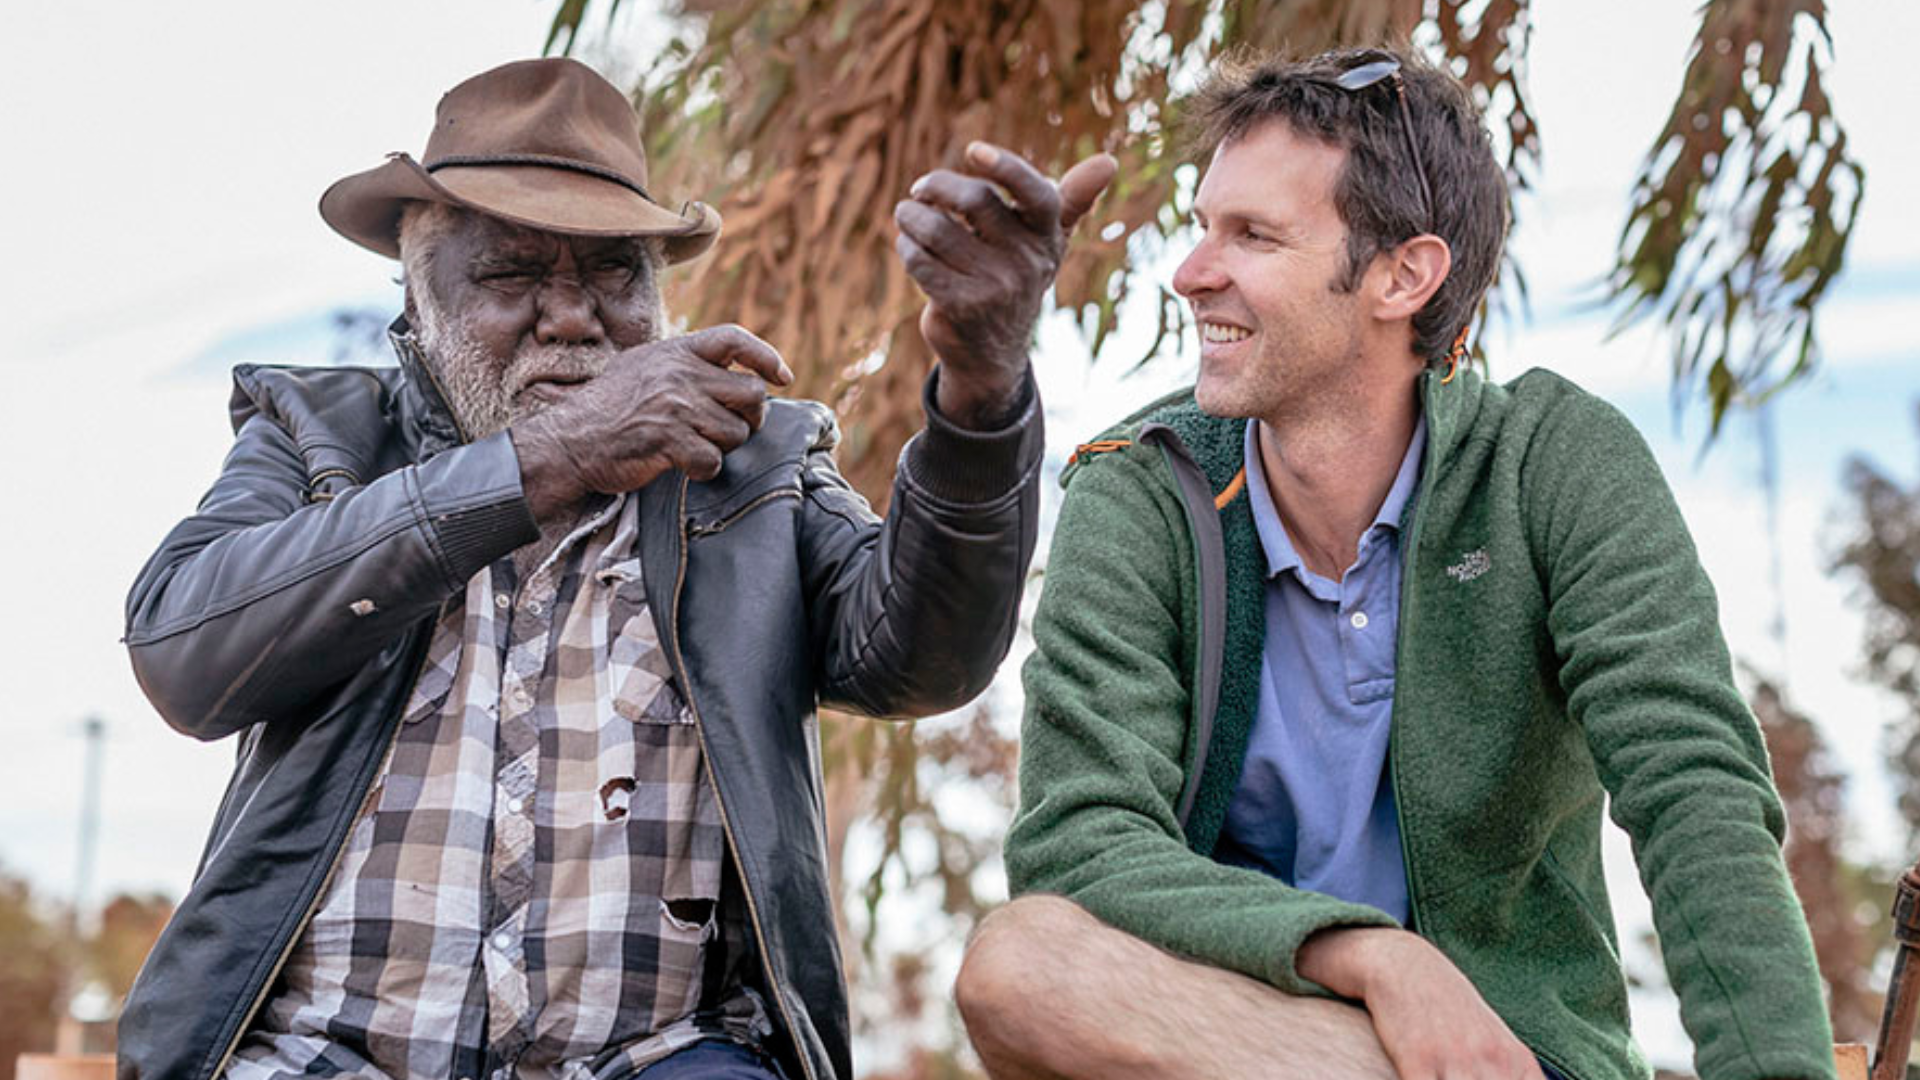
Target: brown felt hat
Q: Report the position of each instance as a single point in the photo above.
(548, 144)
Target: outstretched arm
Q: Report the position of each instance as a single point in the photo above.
(916, 613)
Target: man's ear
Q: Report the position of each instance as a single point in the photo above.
(1409, 275)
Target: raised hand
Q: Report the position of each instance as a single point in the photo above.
(673, 403)
(983, 245)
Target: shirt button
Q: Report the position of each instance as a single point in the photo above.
(514, 804)
(533, 607)
(502, 601)
(1359, 620)
(502, 941)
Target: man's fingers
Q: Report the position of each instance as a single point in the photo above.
(1082, 185)
(726, 345)
(927, 271)
(698, 458)
(721, 425)
(1035, 200)
(741, 394)
(970, 198)
(939, 235)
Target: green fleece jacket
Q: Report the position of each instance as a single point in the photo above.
(1559, 653)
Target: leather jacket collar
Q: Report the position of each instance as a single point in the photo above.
(425, 415)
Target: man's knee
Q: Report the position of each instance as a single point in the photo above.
(1015, 953)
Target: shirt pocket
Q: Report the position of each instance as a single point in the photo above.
(640, 680)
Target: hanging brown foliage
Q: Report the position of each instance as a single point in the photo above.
(809, 120)
(1742, 212)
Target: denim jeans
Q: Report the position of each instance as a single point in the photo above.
(713, 1059)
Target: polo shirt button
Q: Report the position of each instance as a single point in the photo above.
(1359, 620)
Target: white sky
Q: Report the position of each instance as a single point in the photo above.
(159, 218)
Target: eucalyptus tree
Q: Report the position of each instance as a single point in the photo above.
(806, 119)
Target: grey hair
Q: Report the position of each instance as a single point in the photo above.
(422, 226)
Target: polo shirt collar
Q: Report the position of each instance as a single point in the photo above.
(1274, 541)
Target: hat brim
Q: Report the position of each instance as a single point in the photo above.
(365, 207)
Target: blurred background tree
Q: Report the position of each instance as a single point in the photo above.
(1882, 554)
(805, 120)
(44, 962)
(1846, 904)
(33, 972)
(128, 927)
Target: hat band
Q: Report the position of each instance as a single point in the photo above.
(544, 161)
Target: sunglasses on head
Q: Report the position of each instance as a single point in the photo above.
(1355, 79)
(1372, 73)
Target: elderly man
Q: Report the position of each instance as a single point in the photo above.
(1343, 653)
(522, 640)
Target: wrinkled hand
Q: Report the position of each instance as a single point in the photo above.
(985, 259)
(1429, 1018)
(669, 404)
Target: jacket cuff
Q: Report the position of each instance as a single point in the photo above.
(475, 524)
(956, 465)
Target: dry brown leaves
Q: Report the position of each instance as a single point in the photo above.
(845, 106)
(1742, 213)
(813, 119)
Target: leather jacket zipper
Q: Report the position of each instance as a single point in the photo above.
(320, 894)
(698, 529)
(706, 763)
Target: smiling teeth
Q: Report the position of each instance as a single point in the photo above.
(1219, 334)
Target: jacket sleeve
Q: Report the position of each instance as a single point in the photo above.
(1646, 672)
(1104, 741)
(261, 600)
(912, 616)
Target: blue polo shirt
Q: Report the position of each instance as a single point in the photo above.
(1315, 805)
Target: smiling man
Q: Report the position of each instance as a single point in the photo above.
(521, 641)
(1343, 652)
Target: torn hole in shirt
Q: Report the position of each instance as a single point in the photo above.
(615, 795)
(690, 914)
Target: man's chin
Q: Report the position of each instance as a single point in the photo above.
(1216, 397)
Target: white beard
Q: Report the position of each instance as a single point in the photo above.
(485, 399)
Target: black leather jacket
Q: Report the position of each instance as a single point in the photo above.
(296, 605)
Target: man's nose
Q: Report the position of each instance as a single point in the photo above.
(568, 314)
(1199, 272)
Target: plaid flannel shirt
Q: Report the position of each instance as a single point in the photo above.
(534, 886)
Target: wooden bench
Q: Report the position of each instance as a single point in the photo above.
(63, 1067)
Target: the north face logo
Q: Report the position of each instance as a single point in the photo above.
(1471, 565)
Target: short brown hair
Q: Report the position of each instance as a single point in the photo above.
(1377, 194)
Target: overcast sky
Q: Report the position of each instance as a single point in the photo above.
(159, 223)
